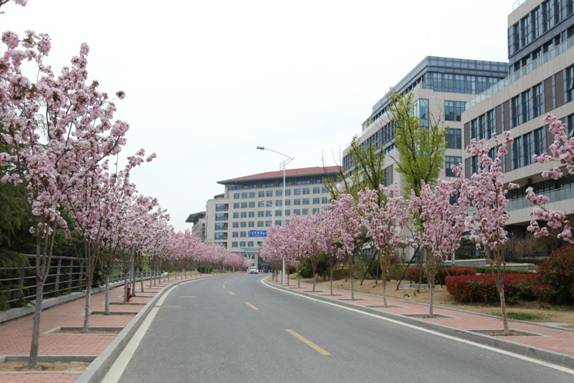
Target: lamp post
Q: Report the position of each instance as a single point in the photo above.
(283, 164)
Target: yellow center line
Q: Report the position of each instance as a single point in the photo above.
(231, 293)
(252, 306)
(309, 343)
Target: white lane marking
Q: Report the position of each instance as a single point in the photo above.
(117, 369)
(115, 372)
(453, 338)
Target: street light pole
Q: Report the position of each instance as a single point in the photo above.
(283, 168)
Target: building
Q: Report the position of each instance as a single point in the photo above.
(199, 225)
(239, 218)
(541, 81)
(441, 88)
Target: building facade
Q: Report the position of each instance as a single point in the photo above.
(441, 88)
(239, 218)
(541, 81)
(199, 225)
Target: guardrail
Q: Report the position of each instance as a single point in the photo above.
(65, 275)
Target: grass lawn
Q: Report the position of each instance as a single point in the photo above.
(530, 311)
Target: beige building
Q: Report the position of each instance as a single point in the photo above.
(541, 81)
(239, 218)
(441, 88)
(199, 225)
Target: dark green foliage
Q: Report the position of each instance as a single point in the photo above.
(558, 272)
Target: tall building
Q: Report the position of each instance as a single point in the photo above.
(441, 88)
(239, 218)
(541, 81)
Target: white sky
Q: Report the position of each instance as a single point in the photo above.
(208, 81)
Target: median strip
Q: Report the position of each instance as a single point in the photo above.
(308, 342)
(252, 306)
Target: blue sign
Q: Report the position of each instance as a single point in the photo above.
(257, 233)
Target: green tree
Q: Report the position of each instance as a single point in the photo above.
(420, 149)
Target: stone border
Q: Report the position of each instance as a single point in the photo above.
(49, 358)
(529, 351)
(98, 369)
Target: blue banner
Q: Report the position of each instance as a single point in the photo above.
(257, 233)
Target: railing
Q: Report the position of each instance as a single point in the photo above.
(543, 59)
(65, 275)
(560, 194)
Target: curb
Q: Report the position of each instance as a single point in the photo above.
(97, 370)
(528, 351)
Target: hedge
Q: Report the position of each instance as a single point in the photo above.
(412, 274)
(482, 288)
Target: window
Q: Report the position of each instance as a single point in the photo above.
(220, 236)
(244, 205)
(235, 234)
(325, 200)
(297, 201)
(261, 194)
(242, 243)
(268, 223)
(249, 243)
(260, 224)
(234, 244)
(538, 100)
(287, 202)
(569, 83)
(220, 226)
(244, 195)
(243, 234)
(252, 204)
(315, 210)
(515, 112)
(449, 162)
(235, 195)
(243, 224)
(297, 191)
(316, 201)
(474, 129)
(260, 213)
(297, 211)
(305, 201)
(260, 203)
(268, 203)
(278, 202)
(251, 224)
(221, 216)
(453, 110)
(278, 193)
(236, 205)
(235, 224)
(287, 212)
(305, 211)
(243, 214)
(316, 190)
(453, 138)
(277, 222)
(252, 194)
(287, 192)
(305, 191)
(277, 213)
(236, 214)
(269, 193)
(421, 110)
(490, 123)
(268, 213)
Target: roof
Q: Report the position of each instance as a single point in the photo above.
(194, 217)
(289, 173)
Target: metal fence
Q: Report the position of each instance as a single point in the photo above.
(66, 275)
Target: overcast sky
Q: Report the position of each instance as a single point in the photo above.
(208, 81)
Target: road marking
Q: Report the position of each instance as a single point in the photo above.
(308, 342)
(251, 306)
(231, 293)
(453, 338)
(117, 369)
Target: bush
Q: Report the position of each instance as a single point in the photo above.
(482, 288)
(412, 274)
(558, 271)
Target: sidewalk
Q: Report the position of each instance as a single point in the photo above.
(544, 338)
(16, 335)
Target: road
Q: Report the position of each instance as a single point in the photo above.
(234, 329)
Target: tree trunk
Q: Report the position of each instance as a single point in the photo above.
(373, 258)
(431, 305)
(298, 280)
(351, 278)
(88, 302)
(141, 281)
(331, 276)
(107, 294)
(36, 326)
(500, 288)
(314, 267)
(384, 279)
(133, 277)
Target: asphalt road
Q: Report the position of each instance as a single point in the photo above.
(234, 329)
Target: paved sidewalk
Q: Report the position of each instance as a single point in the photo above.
(548, 339)
(16, 335)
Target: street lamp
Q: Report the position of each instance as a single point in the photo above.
(282, 165)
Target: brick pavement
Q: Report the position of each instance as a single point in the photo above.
(16, 335)
(549, 339)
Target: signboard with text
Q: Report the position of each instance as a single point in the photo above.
(257, 233)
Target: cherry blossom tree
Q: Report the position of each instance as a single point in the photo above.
(384, 218)
(561, 151)
(443, 211)
(487, 197)
(327, 241)
(348, 230)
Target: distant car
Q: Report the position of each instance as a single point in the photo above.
(253, 270)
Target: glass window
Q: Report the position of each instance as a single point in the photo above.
(297, 211)
(260, 223)
(268, 203)
(261, 194)
(316, 201)
(269, 193)
(277, 213)
(268, 213)
(221, 216)
(244, 195)
(236, 214)
(453, 110)
(287, 212)
(220, 236)
(251, 224)
(235, 224)
(252, 204)
(453, 138)
(305, 201)
(315, 210)
(287, 192)
(569, 83)
(421, 110)
(449, 162)
(235, 195)
(305, 191)
(242, 243)
(316, 190)
(235, 234)
(297, 201)
(278, 202)
(297, 191)
(260, 213)
(243, 214)
(251, 214)
(244, 205)
(252, 194)
(243, 224)
(538, 100)
(325, 200)
(234, 244)
(243, 234)
(236, 205)
(305, 211)
(287, 202)
(268, 223)
(277, 222)
(260, 203)
(249, 243)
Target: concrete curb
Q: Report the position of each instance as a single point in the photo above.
(528, 351)
(97, 370)
(20, 312)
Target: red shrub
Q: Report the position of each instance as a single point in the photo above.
(482, 288)
(558, 272)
